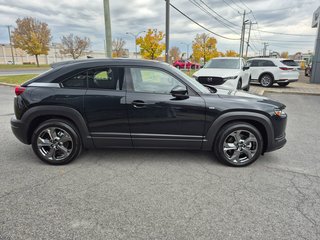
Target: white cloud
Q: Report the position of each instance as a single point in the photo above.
(85, 18)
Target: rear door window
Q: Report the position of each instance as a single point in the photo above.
(110, 78)
(78, 80)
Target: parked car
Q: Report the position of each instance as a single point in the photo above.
(229, 72)
(127, 103)
(308, 70)
(180, 64)
(268, 71)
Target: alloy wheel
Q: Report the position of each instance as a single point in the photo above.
(54, 144)
(240, 146)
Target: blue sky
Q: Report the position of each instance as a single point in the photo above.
(85, 18)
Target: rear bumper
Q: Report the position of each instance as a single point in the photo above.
(19, 130)
(286, 80)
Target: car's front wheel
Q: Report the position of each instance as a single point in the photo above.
(238, 144)
(56, 142)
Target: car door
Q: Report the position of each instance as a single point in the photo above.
(255, 70)
(156, 118)
(245, 73)
(105, 107)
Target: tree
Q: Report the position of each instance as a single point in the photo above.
(151, 46)
(174, 53)
(74, 45)
(118, 47)
(204, 47)
(284, 55)
(32, 36)
(231, 53)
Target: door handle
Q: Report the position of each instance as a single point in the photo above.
(139, 104)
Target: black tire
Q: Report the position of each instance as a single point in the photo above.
(58, 126)
(266, 80)
(224, 134)
(283, 84)
(247, 88)
(239, 85)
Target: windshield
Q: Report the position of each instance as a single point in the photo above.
(223, 63)
(194, 83)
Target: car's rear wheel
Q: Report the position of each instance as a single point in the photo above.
(56, 142)
(283, 84)
(266, 80)
(238, 144)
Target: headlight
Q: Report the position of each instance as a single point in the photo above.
(279, 112)
(229, 78)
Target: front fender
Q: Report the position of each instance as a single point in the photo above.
(237, 116)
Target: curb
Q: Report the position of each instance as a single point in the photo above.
(8, 84)
(296, 93)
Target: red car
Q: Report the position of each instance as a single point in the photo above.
(185, 64)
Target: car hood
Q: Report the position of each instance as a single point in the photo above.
(217, 72)
(242, 98)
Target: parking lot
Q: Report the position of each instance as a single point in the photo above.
(167, 194)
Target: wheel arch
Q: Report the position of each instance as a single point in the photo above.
(270, 73)
(36, 115)
(258, 120)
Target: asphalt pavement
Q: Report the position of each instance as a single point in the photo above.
(153, 194)
(9, 72)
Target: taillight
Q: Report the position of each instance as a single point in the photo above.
(19, 90)
(285, 68)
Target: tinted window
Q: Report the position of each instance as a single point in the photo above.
(290, 63)
(106, 78)
(223, 63)
(267, 63)
(153, 81)
(254, 63)
(77, 81)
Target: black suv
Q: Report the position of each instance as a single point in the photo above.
(124, 103)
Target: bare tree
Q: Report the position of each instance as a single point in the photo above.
(74, 45)
(174, 53)
(118, 47)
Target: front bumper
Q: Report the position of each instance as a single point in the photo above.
(277, 144)
(19, 130)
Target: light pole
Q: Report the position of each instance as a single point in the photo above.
(135, 40)
(187, 45)
(107, 24)
(9, 32)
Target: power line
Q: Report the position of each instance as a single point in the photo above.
(203, 27)
(230, 5)
(219, 14)
(289, 34)
(207, 12)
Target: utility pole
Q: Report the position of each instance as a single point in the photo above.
(242, 34)
(250, 25)
(107, 24)
(265, 45)
(167, 29)
(135, 40)
(9, 31)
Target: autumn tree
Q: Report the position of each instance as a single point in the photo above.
(231, 53)
(32, 36)
(284, 55)
(118, 47)
(174, 53)
(204, 47)
(151, 45)
(74, 45)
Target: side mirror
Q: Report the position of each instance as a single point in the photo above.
(245, 68)
(179, 92)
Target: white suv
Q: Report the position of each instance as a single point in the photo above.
(229, 72)
(268, 71)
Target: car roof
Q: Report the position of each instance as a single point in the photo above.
(227, 58)
(270, 59)
(101, 61)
